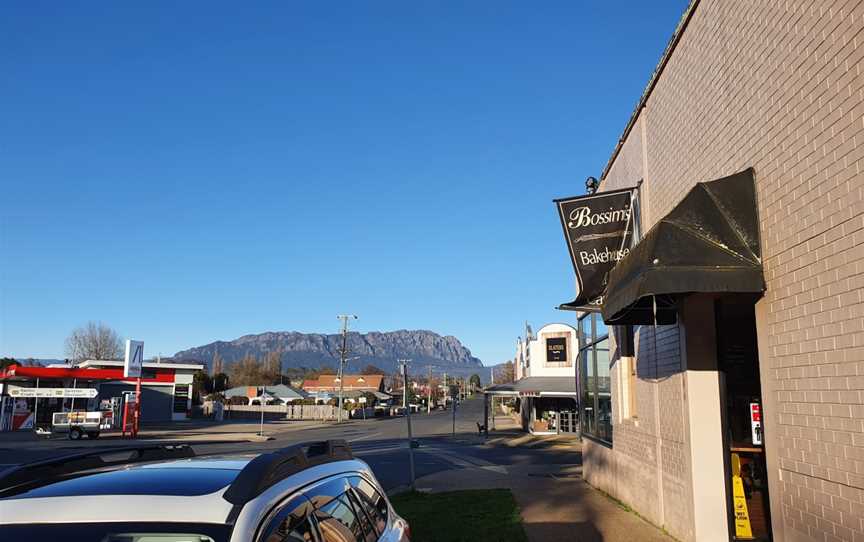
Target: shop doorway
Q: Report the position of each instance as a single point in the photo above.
(553, 415)
(738, 363)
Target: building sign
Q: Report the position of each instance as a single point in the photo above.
(64, 393)
(134, 359)
(556, 349)
(181, 398)
(599, 231)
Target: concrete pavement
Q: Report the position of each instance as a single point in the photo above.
(554, 502)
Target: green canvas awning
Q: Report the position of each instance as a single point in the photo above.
(709, 243)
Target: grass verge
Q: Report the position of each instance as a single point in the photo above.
(488, 514)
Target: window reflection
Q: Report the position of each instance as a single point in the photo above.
(595, 381)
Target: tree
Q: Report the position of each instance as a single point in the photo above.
(94, 340)
(507, 374)
(247, 372)
(474, 381)
(202, 385)
(272, 367)
(220, 382)
(372, 370)
(6, 362)
(216, 365)
(326, 370)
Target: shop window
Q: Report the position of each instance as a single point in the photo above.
(595, 381)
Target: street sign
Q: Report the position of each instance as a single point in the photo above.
(64, 393)
(134, 359)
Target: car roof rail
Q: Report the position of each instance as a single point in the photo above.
(267, 469)
(57, 466)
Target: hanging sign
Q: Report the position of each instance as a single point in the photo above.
(599, 231)
(64, 393)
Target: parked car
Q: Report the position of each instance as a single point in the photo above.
(164, 493)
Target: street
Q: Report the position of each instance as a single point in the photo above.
(381, 442)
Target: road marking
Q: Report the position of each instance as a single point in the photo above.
(462, 461)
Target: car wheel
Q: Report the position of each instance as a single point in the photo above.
(75, 433)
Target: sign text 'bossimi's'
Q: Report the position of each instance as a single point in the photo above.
(599, 230)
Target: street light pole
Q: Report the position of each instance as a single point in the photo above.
(404, 363)
(343, 354)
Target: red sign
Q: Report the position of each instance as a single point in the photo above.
(755, 412)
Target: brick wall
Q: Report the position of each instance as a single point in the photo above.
(778, 86)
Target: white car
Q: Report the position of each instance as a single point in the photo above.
(306, 493)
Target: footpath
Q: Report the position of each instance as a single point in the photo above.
(555, 503)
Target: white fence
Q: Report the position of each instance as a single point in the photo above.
(310, 412)
(272, 412)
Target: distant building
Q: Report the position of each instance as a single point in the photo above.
(545, 385)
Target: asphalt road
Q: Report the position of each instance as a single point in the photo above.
(381, 442)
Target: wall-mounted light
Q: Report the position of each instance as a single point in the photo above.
(591, 185)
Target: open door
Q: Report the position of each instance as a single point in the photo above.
(738, 361)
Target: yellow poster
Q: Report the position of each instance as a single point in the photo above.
(739, 502)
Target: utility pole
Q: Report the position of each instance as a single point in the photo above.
(429, 393)
(404, 363)
(261, 404)
(342, 355)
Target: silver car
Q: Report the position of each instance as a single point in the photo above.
(315, 492)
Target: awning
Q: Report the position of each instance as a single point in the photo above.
(709, 243)
(542, 386)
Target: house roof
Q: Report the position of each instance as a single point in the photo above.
(371, 382)
(281, 391)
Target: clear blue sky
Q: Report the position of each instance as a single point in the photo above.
(194, 171)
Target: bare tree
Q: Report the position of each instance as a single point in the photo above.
(272, 367)
(94, 340)
(507, 373)
(247, 372)
(216, 366)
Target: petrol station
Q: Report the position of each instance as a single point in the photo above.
(37, 397)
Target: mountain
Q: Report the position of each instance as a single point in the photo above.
(314, 350)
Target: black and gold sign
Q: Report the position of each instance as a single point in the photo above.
(599, 230)
(556, 349)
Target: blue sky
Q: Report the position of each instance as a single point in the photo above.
(187, 172)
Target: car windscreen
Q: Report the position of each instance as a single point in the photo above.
(179, 482)
(118, 532)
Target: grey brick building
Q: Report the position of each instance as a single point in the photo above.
(776, 86)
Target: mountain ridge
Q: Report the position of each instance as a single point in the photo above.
(315, 350)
